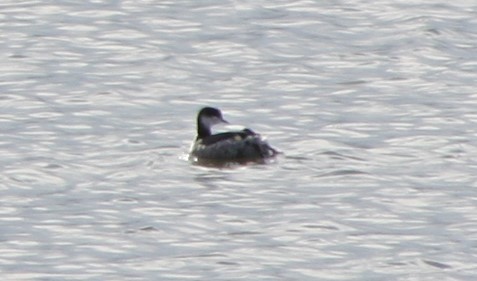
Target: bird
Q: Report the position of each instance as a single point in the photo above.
(234, 146)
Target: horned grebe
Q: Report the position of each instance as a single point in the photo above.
(244, 145)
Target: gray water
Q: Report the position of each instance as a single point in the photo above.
(374, 105)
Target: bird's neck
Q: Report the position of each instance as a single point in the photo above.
(202, 130)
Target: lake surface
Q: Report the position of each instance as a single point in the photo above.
(373, 104)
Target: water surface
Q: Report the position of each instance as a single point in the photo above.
(373, 105)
